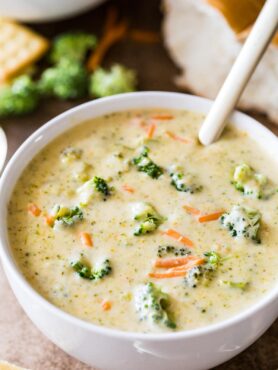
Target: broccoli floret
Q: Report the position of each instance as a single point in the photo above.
(205, 272)
(67, 216)
(145, 164)
(19, 98)
(72, 46)
(71, 154)
(117, 80)
(182, 182)
(148, 218)
(67, 80)
(103, 270)
(212, 260)
(169, 249)
(239, 285)
(85, 271)
(193, 276)
(89, 189)
(242, 222)
(152, 305)
(101, 186)
(250, 183)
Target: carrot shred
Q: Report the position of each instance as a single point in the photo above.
(106, 305)
(144, 36)
(151, 130)
(111, 18)
(173, 262)
(166, 275)
(162, 117)
(128, 188)
(49, 220)
(86, 239)
(33, 209)
(179, 237)
(112, 34)
(192, 210)
(191, 263)
(177, 138)
(210, 217)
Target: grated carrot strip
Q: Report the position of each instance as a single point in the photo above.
(86, 239)
(179, 237)
(191, 210)
(144, 36)
(151, 130)
(210, 217)
(128, 188)
(33, 209)
(177, 138)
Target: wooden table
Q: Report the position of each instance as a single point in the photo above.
(20, 341)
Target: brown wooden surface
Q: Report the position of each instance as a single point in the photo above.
(20, 341)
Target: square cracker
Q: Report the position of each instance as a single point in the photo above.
(19, 47)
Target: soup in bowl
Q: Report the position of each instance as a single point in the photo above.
(123, 232)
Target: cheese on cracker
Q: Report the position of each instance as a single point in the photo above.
(19, 48)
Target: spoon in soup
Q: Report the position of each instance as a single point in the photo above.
(243, 68)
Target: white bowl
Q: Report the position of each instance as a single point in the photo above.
(114, 349)
(44, 10)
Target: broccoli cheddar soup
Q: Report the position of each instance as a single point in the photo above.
(126, 221)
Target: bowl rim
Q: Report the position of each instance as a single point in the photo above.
(10, 265)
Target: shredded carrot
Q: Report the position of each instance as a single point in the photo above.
(86, 239)
(210, 217)
(179, 237)
(49, 220)
(188, 266)
(111, 35)
(111, 18)
(166, 275)
(162, 117)
(106, 305)
(173, 262)
(128, 188)
(151, 130)
(191, 210)
(144, 36)
(177, 138)
(33, 209)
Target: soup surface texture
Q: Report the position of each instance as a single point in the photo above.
(126, 221)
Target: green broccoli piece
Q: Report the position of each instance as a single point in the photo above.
(67, 80)
(242, 222)
(169, 249)
(239, 285)
(88, 190)
(19, 98)
(103, 270)
(145, 164)
(67, 216)
(152, 305)
(182, 182)
(72, 46)
(250, 183)
(205, 272)
(71, 154)
(102, 186)
(85, 271)
(147, 216)
(117, 80)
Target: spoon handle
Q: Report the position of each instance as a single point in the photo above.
(246, 62)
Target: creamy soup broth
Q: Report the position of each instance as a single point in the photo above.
(46, 247)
